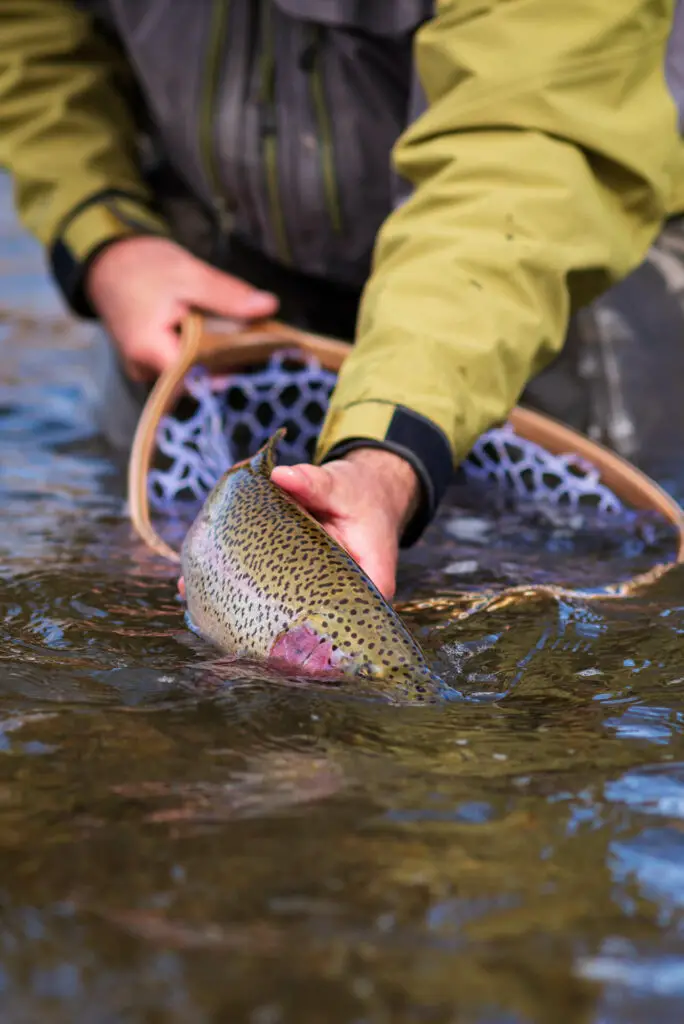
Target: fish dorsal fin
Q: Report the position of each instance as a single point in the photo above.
(265, 459)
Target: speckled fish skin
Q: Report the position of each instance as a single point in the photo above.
(260, 574)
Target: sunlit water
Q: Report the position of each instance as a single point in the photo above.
(177, 846)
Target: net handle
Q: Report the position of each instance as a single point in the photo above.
(222, 345)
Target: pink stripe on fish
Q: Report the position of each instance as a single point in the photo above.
(304, 649)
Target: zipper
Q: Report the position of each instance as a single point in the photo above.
(269, 135)
(324, 135)
(217, 32)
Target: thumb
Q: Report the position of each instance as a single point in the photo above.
(311, 486)
(146, 358)
(225, 295)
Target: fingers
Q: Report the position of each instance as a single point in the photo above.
(146, 357)
(383, 574)
(376, 555)
(226, 295)
(181, 587)
(143, 287)
(312, 486)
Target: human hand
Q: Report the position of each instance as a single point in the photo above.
(143, 287)
(364, 501)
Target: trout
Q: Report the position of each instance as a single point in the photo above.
(265, 581)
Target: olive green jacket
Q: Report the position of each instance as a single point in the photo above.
(536, 154)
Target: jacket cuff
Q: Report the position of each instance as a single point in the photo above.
(399, 430)
(101, 219)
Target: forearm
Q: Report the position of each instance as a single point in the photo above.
(542, 171)
(67, 135)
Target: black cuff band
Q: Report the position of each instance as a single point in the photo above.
(68, 270)
(425, 448)
(69, 274)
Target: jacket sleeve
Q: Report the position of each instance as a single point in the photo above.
(68, 137)
(541, 171)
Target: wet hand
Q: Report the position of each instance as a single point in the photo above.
(142, 288)
(364, 501)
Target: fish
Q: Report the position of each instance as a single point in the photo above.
(264, 580)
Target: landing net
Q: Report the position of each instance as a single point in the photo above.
(231, 417)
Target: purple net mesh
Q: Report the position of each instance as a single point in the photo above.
(231, 417)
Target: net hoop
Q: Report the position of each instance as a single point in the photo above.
(533, 456)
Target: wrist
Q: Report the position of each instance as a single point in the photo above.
(93, 225)
(97, 267)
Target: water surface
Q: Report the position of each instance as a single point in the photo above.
(179, 845)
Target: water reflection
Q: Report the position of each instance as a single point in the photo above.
(182, 842)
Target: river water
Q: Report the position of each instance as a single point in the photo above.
(178, 847)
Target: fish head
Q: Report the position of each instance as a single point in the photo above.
(362, 637)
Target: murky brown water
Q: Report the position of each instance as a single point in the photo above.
(179, 847)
